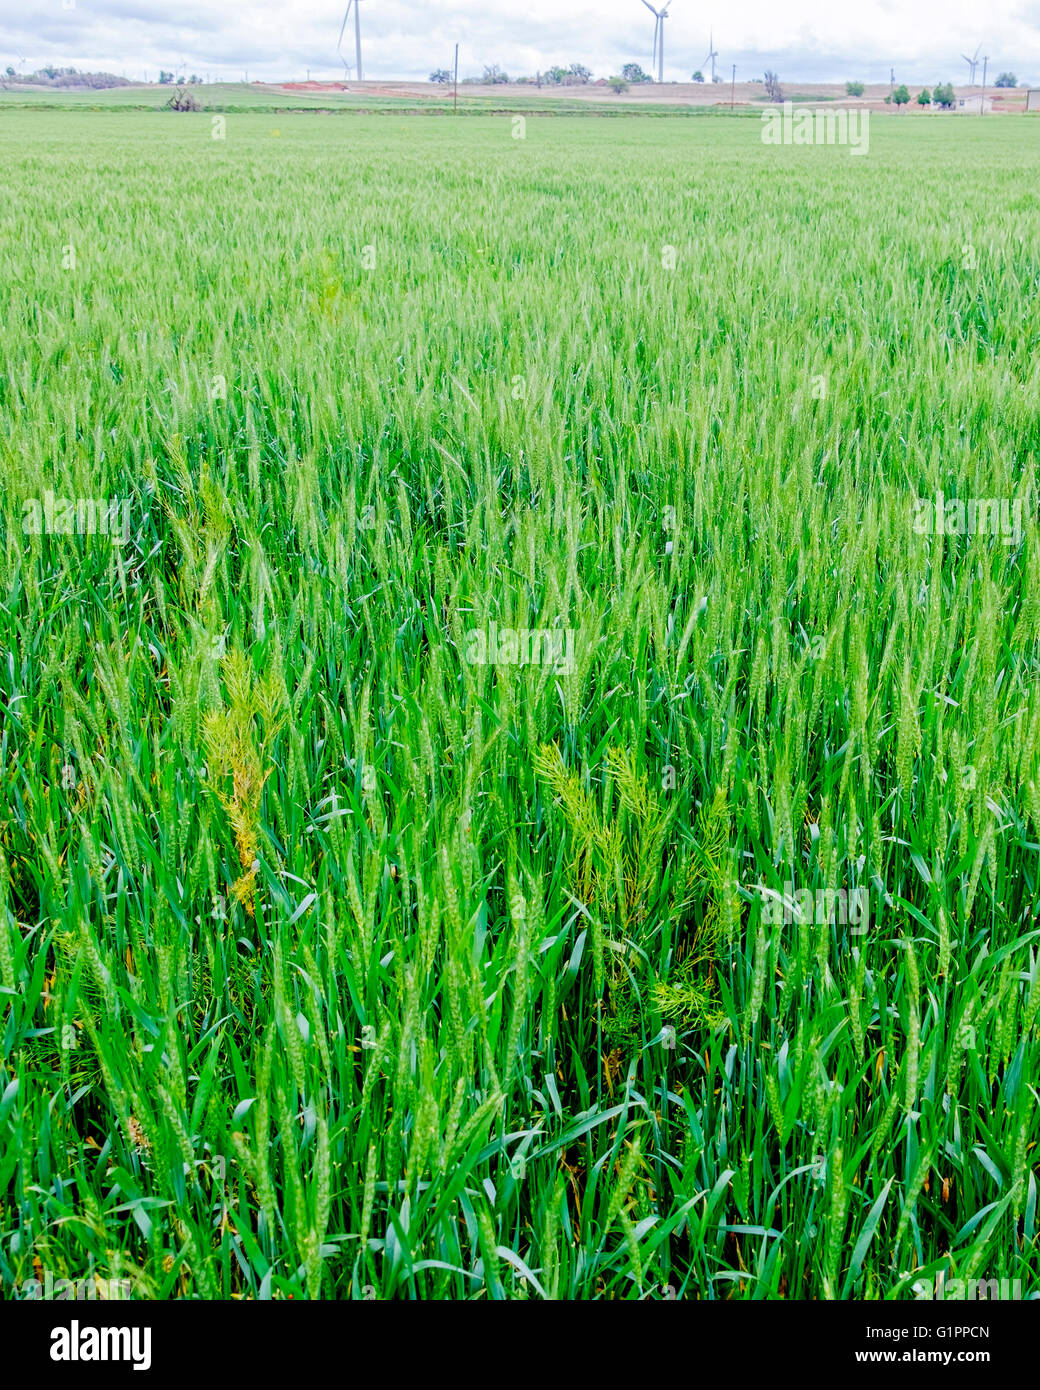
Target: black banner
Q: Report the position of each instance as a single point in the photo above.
(72, 1340)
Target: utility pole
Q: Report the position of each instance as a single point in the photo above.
(982, 103)
(733, 89)
(456, 79)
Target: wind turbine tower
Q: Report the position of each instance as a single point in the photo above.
(973, 64)
(659, 18)
(357, 36)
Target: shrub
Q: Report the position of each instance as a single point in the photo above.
(182, 101)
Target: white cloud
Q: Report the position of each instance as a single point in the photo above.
(922, 39)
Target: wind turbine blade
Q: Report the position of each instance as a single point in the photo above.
(650, 8)
(343, 27)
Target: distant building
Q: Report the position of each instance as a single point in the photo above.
(1033, 99)
(974, 106)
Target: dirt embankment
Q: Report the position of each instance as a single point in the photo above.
(721, 94)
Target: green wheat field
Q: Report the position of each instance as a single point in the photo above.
(463, 608)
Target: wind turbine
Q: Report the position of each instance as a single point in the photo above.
(659, 17)
(972, 65)
(712, 54)
(357, 37)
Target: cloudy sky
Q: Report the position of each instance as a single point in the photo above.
(922, 39)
